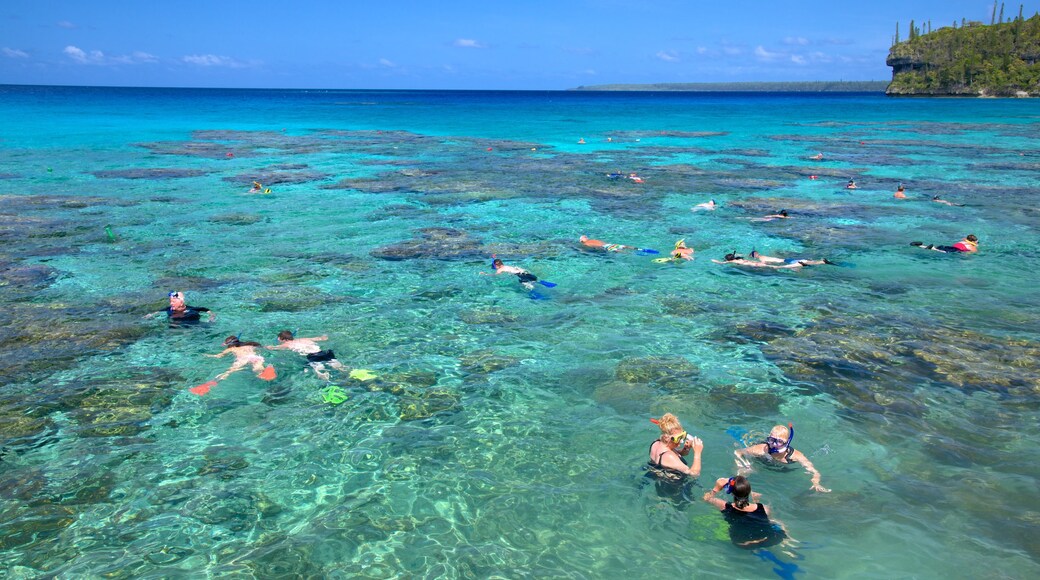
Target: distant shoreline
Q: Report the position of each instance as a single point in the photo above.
(755, 87)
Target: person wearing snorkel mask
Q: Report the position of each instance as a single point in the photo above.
(777, 447)
(667, 452)
(180, 313)
(749, 524)
(245, 355)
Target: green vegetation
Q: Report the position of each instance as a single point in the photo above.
(1002, 59)
(772, 87)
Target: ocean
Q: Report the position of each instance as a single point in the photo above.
(505, 433)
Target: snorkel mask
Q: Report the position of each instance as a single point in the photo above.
(728, 488)
(777, 445)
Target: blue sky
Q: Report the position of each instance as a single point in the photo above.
(448, 44)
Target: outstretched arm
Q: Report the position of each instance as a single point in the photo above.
(709, 496)
(801, 458)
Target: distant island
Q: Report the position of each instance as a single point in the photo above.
(751, 87)
(998, 60)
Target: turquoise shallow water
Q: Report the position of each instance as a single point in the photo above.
(506, 436)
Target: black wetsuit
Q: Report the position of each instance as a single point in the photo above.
(526, 277)
(190, 315)
(752, 530)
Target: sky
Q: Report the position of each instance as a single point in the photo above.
(458, 44)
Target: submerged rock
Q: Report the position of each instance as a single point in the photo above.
(668, 372)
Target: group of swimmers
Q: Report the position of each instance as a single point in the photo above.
(179, 313)
(750, 525)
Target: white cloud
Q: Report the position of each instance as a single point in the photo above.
(387, 63)
(797, 59)
(764, 54)
(66, 24)
(79, 55)
(468, 43)
(213, 60)
(97, 57)
(15, 53)
(668, 56)
(796, 41)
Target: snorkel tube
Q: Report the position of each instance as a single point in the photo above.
(790, 437)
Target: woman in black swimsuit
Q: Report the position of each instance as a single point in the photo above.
(749, 525)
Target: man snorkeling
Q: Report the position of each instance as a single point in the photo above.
(308, 347)
(179, 313)
(969, 245)
(754, 255)
(526, 278)
(736, 259)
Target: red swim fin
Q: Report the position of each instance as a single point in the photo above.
(268, 374)
(203, 388)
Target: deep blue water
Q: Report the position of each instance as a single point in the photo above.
(505, 435)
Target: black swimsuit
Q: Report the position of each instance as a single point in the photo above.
(190, 315)
(752, 530)
(321, 356)
(665, 473)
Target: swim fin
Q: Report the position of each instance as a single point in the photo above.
(268, 374)
(646, 252)
(203, 388)
(547, 284)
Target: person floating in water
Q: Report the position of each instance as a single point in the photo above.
(667, 452)
(969, 245)
(587, 241)
(780, 215)
(308, 347)
(526, 278)
(749, 524)
(245, 355)
(706, 206)
(900, 192)
(777, 448)
(178, 313)
(735, 259)
(938, 199)
(851, 185)
(257, 188)
(635, 178)
(681, 251)
(754, 255)
(817, 157)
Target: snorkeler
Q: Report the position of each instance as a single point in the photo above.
(969, 245)
(817, 157)
(900, 192)
(749, 525)
(777, 448)
(592, 243)
(178, 313)
(308, 347)
(526, 278)
(754, 255)
(681, 251)
(735, 259)
(706, 206)
(667, 452)
(780, 215)
(937, 199)
(851, 185)
(245, 355)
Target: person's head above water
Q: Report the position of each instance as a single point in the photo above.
(972, 238)
(177, 300)
(733, 256)
(672, 432)
(285, 335)
(583, 239)
(779, 438)
(496, 263)
(783, 212)
(740, 487)
(681, 244)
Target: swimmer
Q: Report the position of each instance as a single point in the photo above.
(635, 178)
(900, 192)
(754, 255)
(937, 199)
(777, 448)
(749, 525)
(245, 355)
(851, 185)
(667, 451)
(581, 141)
(707, 206)
(526, 278)
(817, 157)
(592, 243)
(178, 313)
(308, 347)
(616, 175)
(737, 260)
(780, 215)
(681, 252)
(969, 245)
(257, 188)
